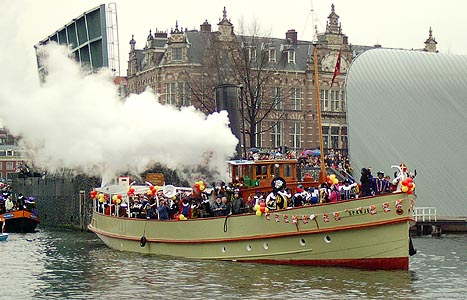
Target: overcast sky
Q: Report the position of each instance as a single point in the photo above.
(395, 23)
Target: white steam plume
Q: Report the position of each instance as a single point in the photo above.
(78, 122)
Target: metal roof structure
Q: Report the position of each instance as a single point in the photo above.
(411, 107)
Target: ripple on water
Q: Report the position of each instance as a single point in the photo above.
(60, 264)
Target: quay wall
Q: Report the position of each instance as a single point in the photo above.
(61, 202)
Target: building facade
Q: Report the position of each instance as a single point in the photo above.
(275, 76)
(12, 157)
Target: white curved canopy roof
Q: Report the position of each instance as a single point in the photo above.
(411, 107)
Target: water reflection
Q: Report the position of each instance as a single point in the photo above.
(57, 264)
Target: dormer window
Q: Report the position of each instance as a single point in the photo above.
(272, 55)
(291, 56)
(251, 53)
(176, 53)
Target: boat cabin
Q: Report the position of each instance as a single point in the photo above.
(261, 172)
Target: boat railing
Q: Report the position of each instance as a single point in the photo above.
(424, 214)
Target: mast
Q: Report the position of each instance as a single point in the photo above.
(322, 172)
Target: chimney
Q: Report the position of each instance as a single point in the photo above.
(291, 35)
(160, 34)
(205, 27)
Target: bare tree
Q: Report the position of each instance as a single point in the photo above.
(248, 60)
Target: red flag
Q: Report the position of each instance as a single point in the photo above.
(337, 69)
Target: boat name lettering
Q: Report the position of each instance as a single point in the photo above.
(358, 211)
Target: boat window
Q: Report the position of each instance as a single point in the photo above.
(261, 171)
(288, 171)
(275, 170)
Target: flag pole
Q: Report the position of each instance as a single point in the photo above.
(322, 173)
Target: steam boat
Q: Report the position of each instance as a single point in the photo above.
(368, 232)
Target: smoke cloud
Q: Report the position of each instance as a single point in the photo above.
(76, 121)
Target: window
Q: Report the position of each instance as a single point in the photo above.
(324, 100)
(343, 102)
(184, 94)
(276, 134)
(296, 135)
(277, 98)
(335, 100)
(272, 55)
(259, 135)
(251, 52)
(176, 53)
(9, 152)
(325, 130)
(9, 165)
(170, 93)
(335, 137)
(291, 56)
(296, 98)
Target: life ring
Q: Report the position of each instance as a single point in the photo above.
(143, 241)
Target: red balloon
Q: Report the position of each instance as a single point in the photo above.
(410, 185)
(119, 196)
(409, 192)
(262, 209)
(152, 188)
(404, 182)
(262, 204)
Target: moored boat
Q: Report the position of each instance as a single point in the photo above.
(20, 221)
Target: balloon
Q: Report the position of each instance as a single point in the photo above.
(404, 182)
(259, 213)
(152, 188)
(262, 204)
(114, 197)
(256, 207)
(332, 177)
(118, 201)
(409, 179)
(328, 178)
(335, 181)
(404, 188)
(149, 192)
(262, 209)
(409, 192)
(201, 187)
(266, 209)
(132, 190)
(119, 196)
(413, 187)
(410, 185)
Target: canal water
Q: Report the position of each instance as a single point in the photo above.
(62, 264)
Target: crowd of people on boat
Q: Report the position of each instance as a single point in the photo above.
(9, 201)
(226, 199)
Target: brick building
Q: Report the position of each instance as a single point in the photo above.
(275, 77)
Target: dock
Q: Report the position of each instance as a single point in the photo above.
(429, 223)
